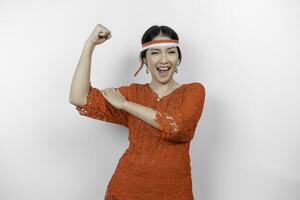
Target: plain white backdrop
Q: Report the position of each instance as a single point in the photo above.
(245, 53)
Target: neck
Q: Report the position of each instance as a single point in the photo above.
(162, 86)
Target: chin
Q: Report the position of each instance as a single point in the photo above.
(164, 79)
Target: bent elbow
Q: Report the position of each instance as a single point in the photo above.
(78, 102)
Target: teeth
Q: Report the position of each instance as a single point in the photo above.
(163, 68)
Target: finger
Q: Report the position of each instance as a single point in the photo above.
(104, 34)
(115, 91)
(119, 92)
(109, 91)
(103, 92)
(101, 33)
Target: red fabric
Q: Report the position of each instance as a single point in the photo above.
(98, 107)
(156, 164)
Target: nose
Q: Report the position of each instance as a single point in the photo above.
(163, 59)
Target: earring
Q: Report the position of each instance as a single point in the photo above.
(176, 71)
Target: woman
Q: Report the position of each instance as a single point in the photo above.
(161, 117)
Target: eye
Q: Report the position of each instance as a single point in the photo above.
(153, 53)
(172, 52)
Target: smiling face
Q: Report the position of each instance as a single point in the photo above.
(162, 61)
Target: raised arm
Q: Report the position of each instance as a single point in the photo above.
(80, 85)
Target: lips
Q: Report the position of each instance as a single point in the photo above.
(163, 69)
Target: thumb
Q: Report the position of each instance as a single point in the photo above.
(119, 92)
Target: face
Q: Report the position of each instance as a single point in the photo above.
(159, 58)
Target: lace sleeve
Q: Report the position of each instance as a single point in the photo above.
(99, 108)
(179, 125)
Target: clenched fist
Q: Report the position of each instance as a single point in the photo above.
(99, 35)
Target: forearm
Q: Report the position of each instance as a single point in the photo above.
(144, 113)
(81, 78)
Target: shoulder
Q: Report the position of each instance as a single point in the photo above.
(196, 86)
(127, 87)
(194, 91)
(128, 90)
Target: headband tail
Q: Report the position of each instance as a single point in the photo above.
(142, 63)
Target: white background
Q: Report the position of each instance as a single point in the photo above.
(245, 53)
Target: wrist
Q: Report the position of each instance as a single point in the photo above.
(88, 44)
(125, 105)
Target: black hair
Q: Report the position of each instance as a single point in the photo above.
(154, 31)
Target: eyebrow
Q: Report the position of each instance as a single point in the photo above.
(159, 49)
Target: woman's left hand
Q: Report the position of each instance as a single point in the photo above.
(114, 97)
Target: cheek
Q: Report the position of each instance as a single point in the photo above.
(153, 60)
(174, 59)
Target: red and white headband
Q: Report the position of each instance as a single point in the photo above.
(156, 43)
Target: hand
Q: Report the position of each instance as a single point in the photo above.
(114, 97)
(99, 35)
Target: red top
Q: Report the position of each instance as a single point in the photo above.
(156, 164)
